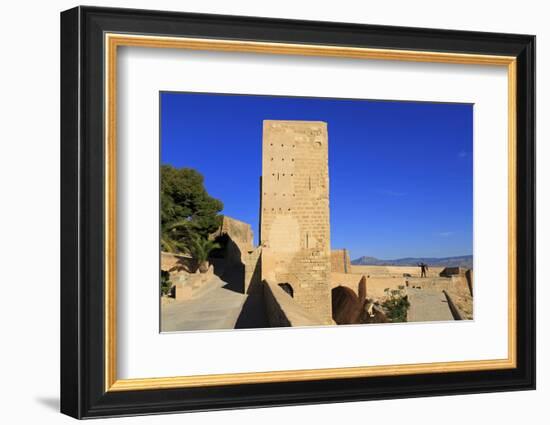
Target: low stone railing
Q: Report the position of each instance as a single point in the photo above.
(454, 310)
(282, 310)
(175, 263)
(192, 285)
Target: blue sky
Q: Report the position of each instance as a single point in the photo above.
(400, 172)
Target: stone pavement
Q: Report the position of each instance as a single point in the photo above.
(427, 306)
(217, 308)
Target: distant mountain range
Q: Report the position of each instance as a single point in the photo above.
(466, 261)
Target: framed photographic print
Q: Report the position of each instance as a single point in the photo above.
(261, 212)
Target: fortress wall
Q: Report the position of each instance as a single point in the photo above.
(295, 228)
(456, 284)
(339, 261)
(282, 310)
(393, 271)
(346, 279)
(239, 231)
(377, 284)
(241, 238)
(252, 269)
(175, 262)
(460, 285)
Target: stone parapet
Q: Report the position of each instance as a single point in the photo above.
(192, 285)
(378, 284)
(175, 263)
(240, 238)
(282, 310)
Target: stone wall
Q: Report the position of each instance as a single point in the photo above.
(282, 310)
(240, 238)
(176, 263)
(376, 284)
(339, 261)
(452, 271)
(469, 275)
(393, 271)
(190, 285)
(346, 279)
(295, 227)
(252, 269)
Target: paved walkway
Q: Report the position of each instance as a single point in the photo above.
(217, 308)
(428, 306)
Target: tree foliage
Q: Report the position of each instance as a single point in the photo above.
(200, 249)
(396, 305)
(165, 283)
(188, 212)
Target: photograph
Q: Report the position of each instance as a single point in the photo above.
(286, 211)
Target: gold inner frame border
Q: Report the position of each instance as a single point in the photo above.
(113, 40)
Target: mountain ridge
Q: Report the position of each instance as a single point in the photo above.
(465, 261)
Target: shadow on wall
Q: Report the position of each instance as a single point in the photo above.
(253, 314)
(228, 264)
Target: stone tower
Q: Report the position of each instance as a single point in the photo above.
(294, 222)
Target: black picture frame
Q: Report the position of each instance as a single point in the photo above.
(83, 392)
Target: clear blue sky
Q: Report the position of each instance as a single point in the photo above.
(400, 172)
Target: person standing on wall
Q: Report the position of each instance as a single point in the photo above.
(423, 269)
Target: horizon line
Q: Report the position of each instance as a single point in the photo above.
(413, 257)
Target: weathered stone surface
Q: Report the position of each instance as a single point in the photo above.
(218, 308)
(252, 269)
(175, 263)
(340, 261)
(428, 306)
(452, 271)
(470, 279)
(295, 228)
(393, 271)
(240, 238)
(192, 285)
(282, 310)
